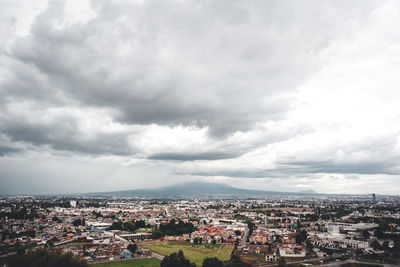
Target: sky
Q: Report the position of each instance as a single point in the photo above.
(275, 95)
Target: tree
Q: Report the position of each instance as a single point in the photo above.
(53, 240)
(132, 248)
(173, 228)
(42, 257)
(214, 241)
(176, 260)
(116, 226)
(385, 245)
(140, 224)
(97, 214)
(358, 252)
(56, 219)
(375, 245)
(301, 236)
(251, 226)
(379, 234)
(366, 234)
(237, 262)
(130, 226)
(77, 222)
(281, 262)
(212, 262)
(309, 244)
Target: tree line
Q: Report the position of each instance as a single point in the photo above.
(178, 259)
(174, 227)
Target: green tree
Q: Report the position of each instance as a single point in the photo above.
(366, 234)
(385, 245)
(132, 248)
(56, 219)
(281, 262)
(301, 236)
(130, 226)
(375, 245)
(116, 226)
(237, 262)
(42, 257)
(77, 222)
(309, 244)
(140, 224)
(379, 234)
(212, 262)
(176, 260)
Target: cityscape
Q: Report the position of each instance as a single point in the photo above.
(302, 230)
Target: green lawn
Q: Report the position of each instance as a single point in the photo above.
(150, 262)
(194, 253)
(143, 230)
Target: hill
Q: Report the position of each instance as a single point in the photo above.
(197, 189)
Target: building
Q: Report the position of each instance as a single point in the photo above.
(73, 203)
(271, 257)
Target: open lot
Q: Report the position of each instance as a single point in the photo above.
(195, 253)
(150, 262)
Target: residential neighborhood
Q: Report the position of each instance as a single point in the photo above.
(257, 231)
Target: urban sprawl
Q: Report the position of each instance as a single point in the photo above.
(307, 230)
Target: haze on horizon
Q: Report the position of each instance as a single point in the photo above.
(271, 95)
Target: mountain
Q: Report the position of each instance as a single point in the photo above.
(196, 189)
(308, 191)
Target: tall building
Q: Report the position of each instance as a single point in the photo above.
(373, 198)
(73, 203)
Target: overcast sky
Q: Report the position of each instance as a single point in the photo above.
(277, 95)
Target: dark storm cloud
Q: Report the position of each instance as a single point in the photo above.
(335, 167)
(205, 88)
(373, 155)
(306, 169)
(63, 133)
(67, 140)
(192, 156)
(174, 63)
(280, 173)
(5, 150)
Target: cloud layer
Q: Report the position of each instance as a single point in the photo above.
(201, 90)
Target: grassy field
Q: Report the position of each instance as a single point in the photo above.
(150, 262)
(195, 253)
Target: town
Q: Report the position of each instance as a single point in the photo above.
(295, 230)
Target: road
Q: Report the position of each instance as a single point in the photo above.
(158, 256)
(246, 234)
(339, 263)
(333, 264)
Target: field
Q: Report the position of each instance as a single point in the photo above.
(150, 262)
(195, 253)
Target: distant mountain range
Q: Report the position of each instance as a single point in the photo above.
(199, 189)
(308, 191)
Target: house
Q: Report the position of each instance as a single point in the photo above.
(271, 257)
(126, 254)
(291, 251)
